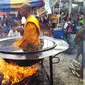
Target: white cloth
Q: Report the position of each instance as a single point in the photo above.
(23, 20)
(13, 34)
(65, 25)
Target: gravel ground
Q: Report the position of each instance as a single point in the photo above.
(62, 73)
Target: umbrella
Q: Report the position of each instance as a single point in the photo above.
(14, 4)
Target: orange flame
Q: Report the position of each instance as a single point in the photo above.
(16, 73)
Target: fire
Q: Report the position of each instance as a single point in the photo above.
(16, 73)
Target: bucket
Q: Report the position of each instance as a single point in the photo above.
(58, 34)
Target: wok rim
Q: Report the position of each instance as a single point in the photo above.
(30, 52)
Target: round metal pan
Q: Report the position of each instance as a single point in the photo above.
(12, 54)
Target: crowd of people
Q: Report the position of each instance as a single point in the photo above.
(70, 23)
(74, 20)
(7, 26)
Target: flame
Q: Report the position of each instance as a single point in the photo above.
(16, 73)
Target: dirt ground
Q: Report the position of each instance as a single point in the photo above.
(62, 73)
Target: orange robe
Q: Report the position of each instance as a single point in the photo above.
(31, 36)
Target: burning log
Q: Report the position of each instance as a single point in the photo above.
(14, 73)
(6, 82)
(38, 79)
(1, 78)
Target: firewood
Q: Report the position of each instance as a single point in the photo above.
(6, 82)
(1, 77)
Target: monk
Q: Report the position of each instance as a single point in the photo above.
(31, 31)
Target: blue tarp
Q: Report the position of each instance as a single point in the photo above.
(5, 4)
(37, 4)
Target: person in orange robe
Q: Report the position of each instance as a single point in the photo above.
(31, 34)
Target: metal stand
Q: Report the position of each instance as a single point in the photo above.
(43, 69)
(51, 70)
(51, 67)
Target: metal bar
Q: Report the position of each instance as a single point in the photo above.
(51, 70)
(43, 69)
(70, 7)
(58, 60)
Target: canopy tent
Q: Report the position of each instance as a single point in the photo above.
(14, 4)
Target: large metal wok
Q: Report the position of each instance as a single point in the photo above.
(17, 55)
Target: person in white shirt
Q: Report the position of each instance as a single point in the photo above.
(65, 25)
(13, 32)
(23, 20)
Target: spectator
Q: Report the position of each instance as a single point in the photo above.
(54, 20)
(79, 26)
(79, 42)
(13, 32)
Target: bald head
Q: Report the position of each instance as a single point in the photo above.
(25, 9)
(26, 6)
